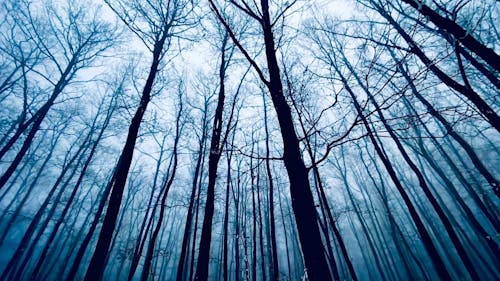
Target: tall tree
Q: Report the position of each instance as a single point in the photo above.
(300, 189)
(165, 188)
(182, 265)
(216, 146)
(163, 21)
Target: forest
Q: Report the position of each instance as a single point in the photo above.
(249, 140)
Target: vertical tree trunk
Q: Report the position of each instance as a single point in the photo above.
(202, 266)
(260, 227)
(86, 240)
(225, 273)
(146, 221)
(400, 242)
(254, 218)
(316, 265)
(181, 266)
(366, 233)
(97, 263)
(196, 219)
(236, 198)
(163, 193)
(325, 206)
(289, 266)
(274, 248)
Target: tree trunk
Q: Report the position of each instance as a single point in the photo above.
(163, 193)
(213, 160)
(181, 266)
(97, 263)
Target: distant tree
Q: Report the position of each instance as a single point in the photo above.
(75, 39)
(215, 152)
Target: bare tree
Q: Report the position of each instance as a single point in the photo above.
(81, 38)
(217, 143)
(302, 198)
(163, 22)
